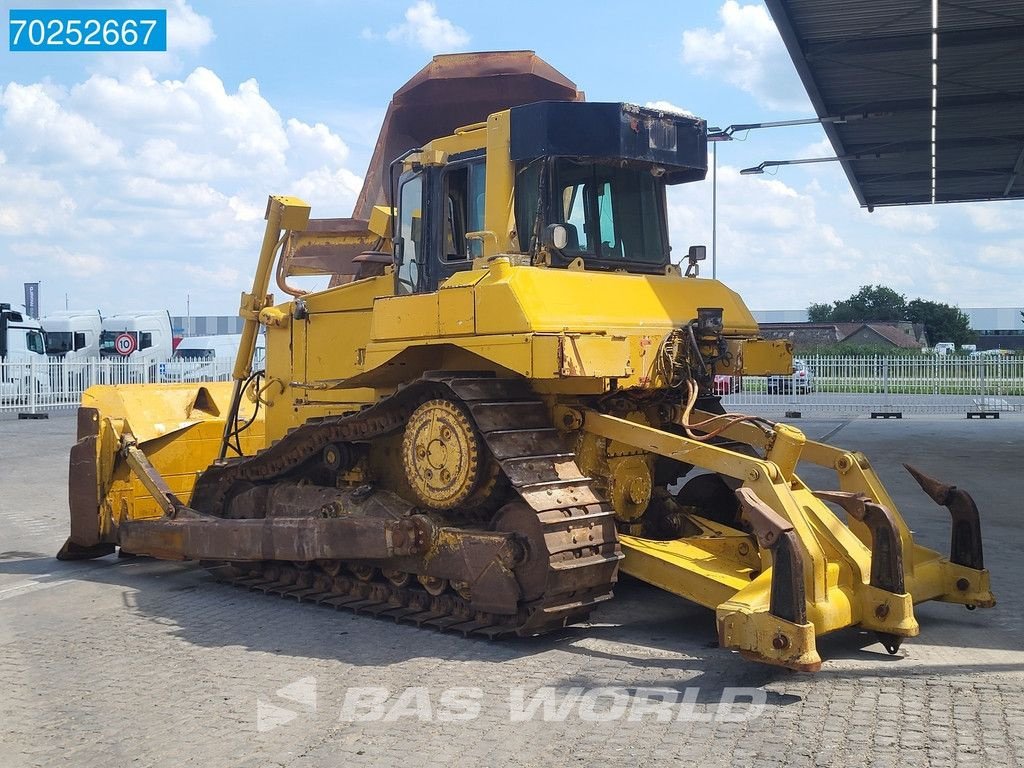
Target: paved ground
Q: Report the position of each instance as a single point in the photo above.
(136, 662)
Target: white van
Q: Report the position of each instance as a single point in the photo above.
(209, 358)
(945, 348)
(23, 366)
(143, 335)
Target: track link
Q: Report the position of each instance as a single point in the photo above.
(562, 515)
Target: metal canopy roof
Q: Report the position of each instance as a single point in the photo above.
(870, 62)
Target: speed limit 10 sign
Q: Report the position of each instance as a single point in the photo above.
(125, 344)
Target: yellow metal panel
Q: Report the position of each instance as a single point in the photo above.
(336, 345)
(685, 568)
(547, 357)
(498, 308)
(380, 220)
(294, 211)
(359, 294)
(761, 357)
(513, 353)
(498, 216)
(593, 356)
(472, 137)
(456, 311)
(464, 278)
(152, 411)
(405, 317)
(516, 299)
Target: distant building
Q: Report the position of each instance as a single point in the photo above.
(206, 325)
(808, 336)
(997, 327)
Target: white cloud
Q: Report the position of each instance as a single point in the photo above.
(991, 217)
(668, 106)
(188, 32)
(912, 221)
(198, 110)
(74, 262)
(327, 189)
(424, 28)
(784, 246)
(821, 148)
(1005, 256)
(31, 204)
(164, 173)
(771, 238)
(747, 52)
(35, 122)
(186, 29)
(317, 140)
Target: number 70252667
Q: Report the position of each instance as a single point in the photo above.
(138, 30)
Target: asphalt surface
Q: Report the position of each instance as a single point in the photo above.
(138, 662)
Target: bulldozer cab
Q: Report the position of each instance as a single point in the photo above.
(437, 208)
(593, 197)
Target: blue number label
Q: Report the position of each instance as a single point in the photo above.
(88, 30)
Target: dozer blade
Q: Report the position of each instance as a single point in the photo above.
(789, 569)
(177, 427)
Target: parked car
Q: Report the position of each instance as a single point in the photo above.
(800, 382)
(992, 353)
(727, 385)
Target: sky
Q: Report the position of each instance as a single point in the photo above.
(140, 180)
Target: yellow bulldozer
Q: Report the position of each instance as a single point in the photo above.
(504, 397)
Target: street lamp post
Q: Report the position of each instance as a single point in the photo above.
(714, 210)
(715, 135)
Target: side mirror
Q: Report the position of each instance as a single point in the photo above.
(555, 236)
(697, 253)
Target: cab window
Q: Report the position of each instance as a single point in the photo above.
(574, 213)
(34, 342)
(410, 234)
(463, 211)
(145, 340)
(477, 200)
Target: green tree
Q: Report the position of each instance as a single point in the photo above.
(941, 321)
(871, 304)
(822, 313)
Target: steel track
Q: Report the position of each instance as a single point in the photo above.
(567, 519)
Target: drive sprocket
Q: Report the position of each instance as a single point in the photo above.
(443, 454)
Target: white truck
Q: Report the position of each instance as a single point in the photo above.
(73, 334)
(72, 342)
(143, 335)
(209, 358)
(24, 371)
(132, 344)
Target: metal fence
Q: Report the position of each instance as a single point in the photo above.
(44, 384)
(880, 384)
(922, 384)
